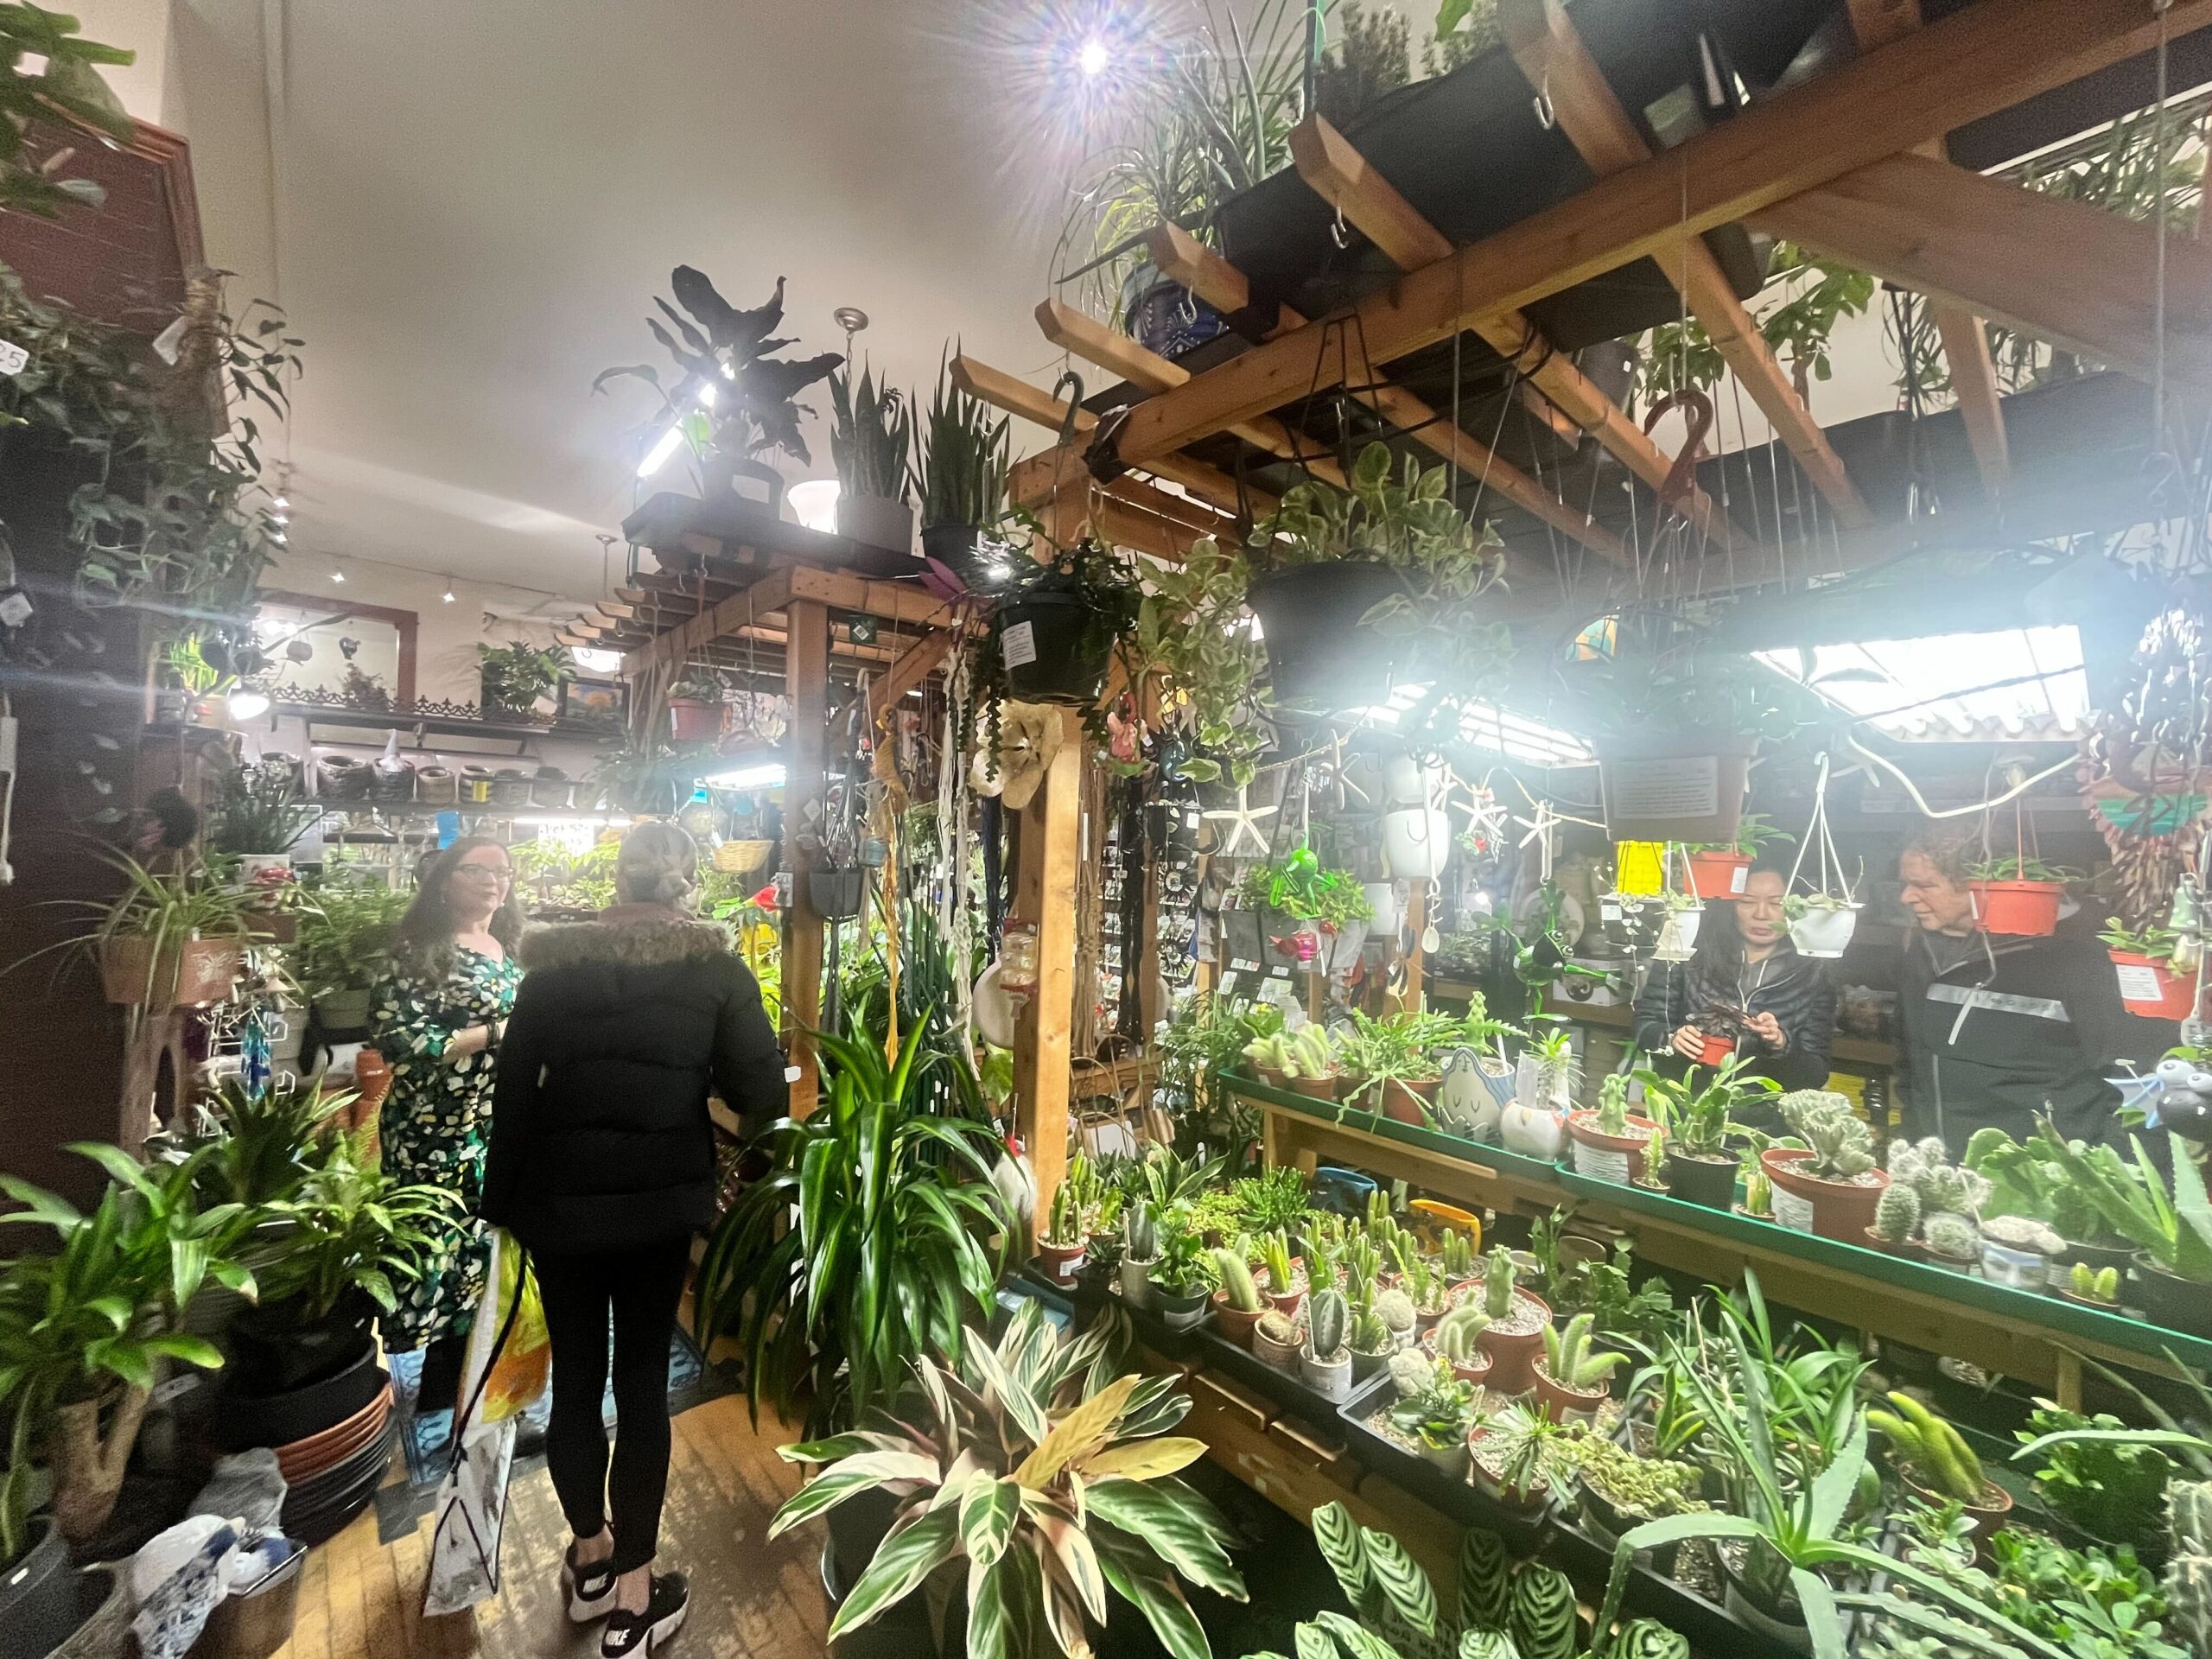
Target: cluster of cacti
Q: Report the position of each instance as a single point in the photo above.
(1369, 1334)
(1378, 1209)
(1937, 1455)
(1275, 1252)
(1328, 1322)
(2094, 1284)
(1279, 1328)
(1140, 1232)
(1925, 1165)
(1457, 1253)
(1896, 1213)
(1310, 1052)
(1320, 1264)
(1612, 1104)
(1395, 1309)
(1237, 1287)
(1387, 1234)
(1539, 1614)
(1362, 1262)
(1417, 1275)
(2188, 1580)
(1951, 1236)
(1457, 1330)
(1063, 1225)
(1843, 1147)
(1570, 1361)
(1498, 1283)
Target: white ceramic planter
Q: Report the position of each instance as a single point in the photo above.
(1136, 1282)
(1532, 1131)
(1331, 1381)
(1825, 933)
(2005, 1264)
(1452, 1460)
(1417, 843)
(1678, 935)
(1389, 911)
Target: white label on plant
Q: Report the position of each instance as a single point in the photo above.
(1739, 878)
(1018, 645)
(1600, 1163)
(12, 358)
(1686, 788)
(1792, 1211)
(1608, 913)
(2137, 982)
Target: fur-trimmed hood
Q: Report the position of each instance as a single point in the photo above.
(637, 936)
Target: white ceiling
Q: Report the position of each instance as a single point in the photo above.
(472, 206)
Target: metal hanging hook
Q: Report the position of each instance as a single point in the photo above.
(1338, 232)
(1542, 103)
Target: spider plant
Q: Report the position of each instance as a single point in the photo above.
(257, 809)
(890, 1257)
(158, 912)
(262, 1147)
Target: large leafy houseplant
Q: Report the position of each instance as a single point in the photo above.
(899, 1242)
(1046, 1469)
(516, 675)
(66, 83)
(344, 940)
(262, 1145)
(353, 1231)
(167, 934)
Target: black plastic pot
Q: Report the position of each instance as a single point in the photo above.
(836, 894)
(244, 1419)
(1607, 1524)
(2171, 1302)
(276, 1351)
(1321, 660)
(39, 1605)
(955, 548)
(1708, 1181)
(1056, 649)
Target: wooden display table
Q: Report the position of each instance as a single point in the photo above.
(2039, 1338)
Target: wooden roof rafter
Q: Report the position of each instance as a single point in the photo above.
(836, 590)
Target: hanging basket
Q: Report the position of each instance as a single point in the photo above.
(190, 975)
(2151, 989)
(1678, 935)
(694, 720)
(1675, 785)
(1320, 660)
(2023, 909)
(1720, 875)
(836, 894)
(1823, 933)
(1056, 649)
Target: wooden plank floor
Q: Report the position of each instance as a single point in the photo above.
(749, 1598)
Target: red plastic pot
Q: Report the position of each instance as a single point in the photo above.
(2153, 990)
(1716, 1049)
(2025, 909)
(694, 720)
(1840, 1210)
(1719, 875)
(1582, 1129)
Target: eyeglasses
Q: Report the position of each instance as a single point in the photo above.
(498, 872)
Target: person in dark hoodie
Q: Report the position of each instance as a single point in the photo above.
(1997, 1029)
(1745, 965)
(602, 1163)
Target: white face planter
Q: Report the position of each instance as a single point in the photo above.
(1467, 1103)
(1417, 842)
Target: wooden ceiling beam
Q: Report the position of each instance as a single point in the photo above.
(1221, 285)
(1094, 342)
(1985, 58)
(1207, 485)
(1341, 176)
(2078, 276)
(1554, 60)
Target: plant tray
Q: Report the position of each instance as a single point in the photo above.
(1285, 1389)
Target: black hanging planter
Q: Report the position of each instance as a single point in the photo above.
(836, 894)
(1056, 648)
(1320, 660)
(957, 547)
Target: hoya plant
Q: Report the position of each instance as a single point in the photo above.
(1043, 1473)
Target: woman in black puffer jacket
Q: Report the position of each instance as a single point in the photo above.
(601, 1162)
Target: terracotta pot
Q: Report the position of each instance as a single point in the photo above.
(1273, 1077)
(1317, 1088)
(1288, 1302)
(1474, 1369)
(1609, 1157)
(2153, 990)
(1713, 1050)
(1513, 1355)
(1719, 875)
(1840, 1209)
(190, 975)
(1060, 1262)
(1538, 1494)
(1235, 1323)
(1910, 1249)
(1411, 1103)
(694, 720)
(1568, 1403)
(1983, 1517)
(2023, 909)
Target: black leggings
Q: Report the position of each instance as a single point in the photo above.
(642, 1288)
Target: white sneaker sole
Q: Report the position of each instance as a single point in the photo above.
(657, 1634)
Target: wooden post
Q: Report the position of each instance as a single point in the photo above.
(1417, 924)
(807, 681)
(1044, 895)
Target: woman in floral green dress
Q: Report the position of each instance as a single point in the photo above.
(438, 1018)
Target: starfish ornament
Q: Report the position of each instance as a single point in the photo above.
(1243, 820)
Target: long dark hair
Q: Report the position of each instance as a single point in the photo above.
(1719, 940)
(423, 938)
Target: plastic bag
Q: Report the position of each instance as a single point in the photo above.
(509, 1359)
(522, 1365)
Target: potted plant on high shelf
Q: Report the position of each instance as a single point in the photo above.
(1829, 1183)
(170, 939)
(1392, 1074)
(1297, 891)
(1055, 624)
(256, 817)
(1718, 869)
(1701, 1164)
(871, 433)
(2170, 1226)
(1542, 1094)
(515, 676)
(2017, 895)
(960, 475)
(2070, 1186)
(2156, 968)
(697, 704)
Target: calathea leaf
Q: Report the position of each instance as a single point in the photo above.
(902, 1561)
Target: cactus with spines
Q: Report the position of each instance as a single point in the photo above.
(1951, 1236)
(1140, 1232)
(1896, 1213)
(2094, 1284)
(1458, 1255)
(1279, 1328)
(1369, 1335)
(2188, 1585)
(1275, 1252)
(1936, 1452)
(1458, 1332)
(1063, 1225)
(1570, 1361)
(1385, 1234)
(1410, 1371)
(1415, 1273)
(2188, 1516)
(1612, 1104)
(1498, 1283)
(1539, 1613)
(1236, 1285)
(1485, 1580)
(1647, 1638)
(1328, 1321)
(1843, 1147)
(1395, 1309)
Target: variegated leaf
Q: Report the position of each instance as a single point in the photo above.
(1076, 1561)
(1403, 1584)
(1185, 1537)
(1143, 1460)
(841, 1446)
(1337, 1536)
(1027, 1414)
(818, 1496)
(987, 1514)
(1354, 1639)
(1075, 1434)
(1063, 1608)
(966, 1469)
(1314, 1643)
(1141, 1580)
(901, 1562)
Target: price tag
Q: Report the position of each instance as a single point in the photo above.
(2138, 983)
(1018, 645)
(1792, 1211)
(12, 358)
(1739, 878)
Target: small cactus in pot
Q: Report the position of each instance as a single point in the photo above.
(1369, 1343)
(1237, 1305)
(1286, 1287)
(1397, 1310)
(1060, 1250)
(1456, 1252)
(1457, 1339)
(1897, 1218)
(1140, 1252)
(1572, 1378)
(1275, 1341)
(1953, 1241)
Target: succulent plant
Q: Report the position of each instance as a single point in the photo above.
(1485, 1580)
(1925, 1166)
(1568, 1358)
(1328, 1321)
(1140, 1232)
(1378, 1209)
(1409, 1369)
(1758, 1191)
(2097, 1284)
(1418, 1276)
(1539, 1614)
(1310, 1052)
(1498, 1283)
(2188, 1602)
(1457, 1253)
(1237, 1282)
(1063, 1227)
(1950, 1236)
(1457, 1332)
(1647, 1638)
(1274, 1250)
(1369, 1336)
(1897, 1212)
(1931, 1448)
(1647, 1488)
(2188, 1516)
(1279, 1328)
(1612, 1104)
(1395, 1309)
(1843, 1147)
(2023, 1233)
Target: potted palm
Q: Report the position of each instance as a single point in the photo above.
(1830, 1184)
(2017, 895)
(515, 676)
(2152, 982)
(960, 475)
(871, 432)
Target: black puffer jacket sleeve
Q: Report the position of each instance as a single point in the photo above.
(748, 1064)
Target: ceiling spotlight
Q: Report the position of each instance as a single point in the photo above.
(707, 393)
(447, 596)
(338, 576)
(278, 536)
(1093, 59)
(246, 703)
(283, 503)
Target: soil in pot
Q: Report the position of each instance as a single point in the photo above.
(39, 1606)
(2171, 1301)
(1060, 1262)
(1609, 1157)
(1697, 1179)
(1840, 1209)
(1321, 660)
(1514, 1341)
(1056, 649)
